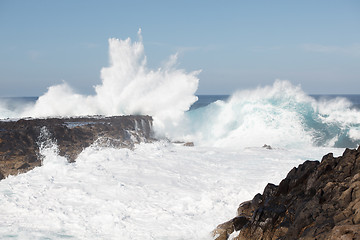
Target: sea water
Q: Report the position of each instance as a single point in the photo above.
(164, 190)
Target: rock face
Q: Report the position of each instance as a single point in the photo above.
(314, 201)
(20, 140)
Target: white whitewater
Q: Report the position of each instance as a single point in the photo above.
(280, 115)
(157, 191)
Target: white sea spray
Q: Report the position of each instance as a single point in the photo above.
(127, 87)
(158, 191)
(278, 115)
(281, 114)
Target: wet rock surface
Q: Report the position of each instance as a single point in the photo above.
(20, 140)
(315, 201)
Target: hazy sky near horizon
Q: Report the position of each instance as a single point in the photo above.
(237, 44)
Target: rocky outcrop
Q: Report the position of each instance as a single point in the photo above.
(20, 140)
(314, 201)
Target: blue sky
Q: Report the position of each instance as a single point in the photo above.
(237, 44)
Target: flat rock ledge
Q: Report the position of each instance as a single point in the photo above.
(314, 201)
(20, 140)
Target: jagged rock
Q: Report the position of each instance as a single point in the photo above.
(20, 140)
(267, 146)
(188, 144)
(314, 201)
(223, 230)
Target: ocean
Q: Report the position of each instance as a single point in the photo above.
(164, 190)
(204, 100)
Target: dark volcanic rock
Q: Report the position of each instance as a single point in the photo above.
(20, 140)
(314, 201)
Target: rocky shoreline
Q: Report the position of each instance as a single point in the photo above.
(20, 140)
(316, 200)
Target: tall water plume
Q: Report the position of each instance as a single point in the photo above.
(127, 87)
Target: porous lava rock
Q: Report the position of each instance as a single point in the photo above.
(316, 200)
(20, 140)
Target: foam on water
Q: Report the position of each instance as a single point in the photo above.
(157, 191)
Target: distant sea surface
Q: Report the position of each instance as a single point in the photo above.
(203, 100)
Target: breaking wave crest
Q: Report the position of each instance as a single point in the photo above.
(280, 115)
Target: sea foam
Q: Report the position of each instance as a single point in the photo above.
(157, 191)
